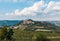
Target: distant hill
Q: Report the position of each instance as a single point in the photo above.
(56, 23)
(29, 24)
(8, 22)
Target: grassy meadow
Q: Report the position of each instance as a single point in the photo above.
(31, 35)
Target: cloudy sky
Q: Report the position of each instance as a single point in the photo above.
(42, 10)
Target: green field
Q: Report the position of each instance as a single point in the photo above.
(31, 35)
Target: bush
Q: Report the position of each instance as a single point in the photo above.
(3, 32)
(41, 37)
(9, 34)
(6, 34)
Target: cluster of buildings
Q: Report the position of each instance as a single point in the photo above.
(25, 22)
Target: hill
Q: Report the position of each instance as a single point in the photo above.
(56, 22)
(29, 24)
(8, 22)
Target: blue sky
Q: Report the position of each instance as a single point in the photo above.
(42, 10)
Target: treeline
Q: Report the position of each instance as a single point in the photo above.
(46, 25)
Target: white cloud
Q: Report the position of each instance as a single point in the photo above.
(47, 19)
(52, 6)
(50, 9)
(31, 11)
(49, 6)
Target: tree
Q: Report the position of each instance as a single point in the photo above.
(6, 33)
(3, 32)
(9, 34)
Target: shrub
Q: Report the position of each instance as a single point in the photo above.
(42, 37)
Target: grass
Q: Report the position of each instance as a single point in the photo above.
(31, 35)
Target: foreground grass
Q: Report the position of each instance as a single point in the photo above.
(31, 35)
